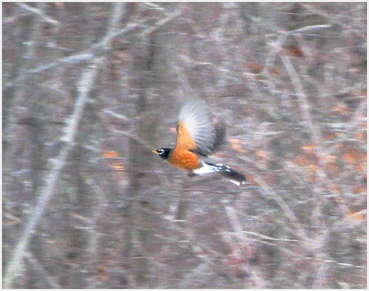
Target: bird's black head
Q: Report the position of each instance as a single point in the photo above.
(163, 152)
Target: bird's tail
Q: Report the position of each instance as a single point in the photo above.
(232, 175)
(225, 171)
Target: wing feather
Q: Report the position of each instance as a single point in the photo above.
(196, 119)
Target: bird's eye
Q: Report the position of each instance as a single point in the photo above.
(160, 151)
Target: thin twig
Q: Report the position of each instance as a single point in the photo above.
(161, 22)
(39, 12)
(305, 106)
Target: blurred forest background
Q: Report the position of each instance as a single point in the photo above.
(89, 89)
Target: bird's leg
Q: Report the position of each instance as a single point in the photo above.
(190, 173)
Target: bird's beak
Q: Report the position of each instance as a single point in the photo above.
(155, 151)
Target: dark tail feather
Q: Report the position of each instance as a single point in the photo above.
(230, 174)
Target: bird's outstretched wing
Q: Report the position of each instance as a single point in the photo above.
(196, 131)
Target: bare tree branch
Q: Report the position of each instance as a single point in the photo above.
(40, 13)
(56, 165)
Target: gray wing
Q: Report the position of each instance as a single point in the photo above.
(197, 118)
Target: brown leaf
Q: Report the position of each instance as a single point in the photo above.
(340, 108)
(255, 68)
(294, 50)
(353, 156)
(335, 188)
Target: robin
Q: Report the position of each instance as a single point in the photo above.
(197, 137)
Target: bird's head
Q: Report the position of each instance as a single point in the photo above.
(163, 152)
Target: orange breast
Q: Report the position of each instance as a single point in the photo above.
(184, 159)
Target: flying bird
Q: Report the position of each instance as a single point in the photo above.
(197, 137)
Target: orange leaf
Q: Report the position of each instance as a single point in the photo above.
(118, 167)
(358, 215)
(353, 156)
(236, 144)
(313, 168)
(260, 153)
(309, 148)
(331, 135)
(110, 154)
(333, 168)
(300, 161)
(330, 159)
(359, 190)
